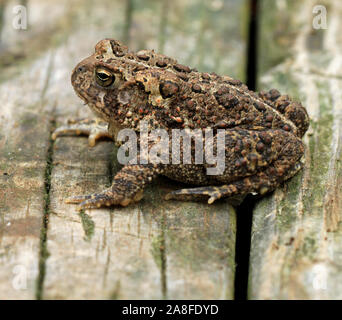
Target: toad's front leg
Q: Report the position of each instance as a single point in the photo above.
(94, 129)
(128, 186)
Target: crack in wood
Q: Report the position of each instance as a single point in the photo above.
(43, 253)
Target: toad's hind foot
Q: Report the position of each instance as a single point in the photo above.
(200, 193)
(94, 129)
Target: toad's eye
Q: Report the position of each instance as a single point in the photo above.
(104, 78)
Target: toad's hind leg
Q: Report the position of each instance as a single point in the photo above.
(213, 192)
(94, 129)
(291, 109)
(286, 166)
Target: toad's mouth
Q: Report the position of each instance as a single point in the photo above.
(83, 98)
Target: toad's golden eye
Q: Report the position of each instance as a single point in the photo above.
(103, 77)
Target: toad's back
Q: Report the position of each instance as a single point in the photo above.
(183, 97)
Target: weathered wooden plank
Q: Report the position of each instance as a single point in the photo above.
(154, 249)
(24, 140)
(25, 116)
(296, 233)
(24, 137)
(199, 251)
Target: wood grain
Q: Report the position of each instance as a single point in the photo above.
(296, 233)
(24, 136)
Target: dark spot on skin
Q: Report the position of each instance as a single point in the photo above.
(265, 138)
(168, 89)
(234, 82)
(183, 76)
(231, 101)
(139, 68)
(227, 100)
(181, 68)
(173, 121)
(196, 88)
(191, 104)
(141, 86)
(250, 119)
(260, 147)
(142, 55)
(269, 117)
(81, 69)
(286, 127)
(205, 76)
(118, 49)
(274, 94)
(161, 64)
(272, 171)
(221, 91)
(222, 124)
(259, 106)
(281, 107)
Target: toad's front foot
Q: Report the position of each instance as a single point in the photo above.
(94, 129)
(128, 185)
(106, 198)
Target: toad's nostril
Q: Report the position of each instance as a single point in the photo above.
(81, 69)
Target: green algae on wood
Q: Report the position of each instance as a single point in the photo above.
(88, 225)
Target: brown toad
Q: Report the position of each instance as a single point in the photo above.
(262, 131)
